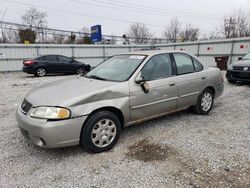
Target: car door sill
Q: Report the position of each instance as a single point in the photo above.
(190, 94)
(152, 103)
(155, 116)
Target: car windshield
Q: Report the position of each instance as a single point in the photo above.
(117, 68)
(246, 57)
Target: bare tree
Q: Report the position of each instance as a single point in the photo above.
(36, 21)
(84, 37)
(139, 34)
(189, 33)
(236, 25)
(173, 30)
(3, 37)
(57, 39)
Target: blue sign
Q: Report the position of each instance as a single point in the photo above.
(96, 33)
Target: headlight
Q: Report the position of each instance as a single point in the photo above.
(50, 113)
(230, 67)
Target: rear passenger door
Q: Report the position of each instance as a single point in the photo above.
(190, 79)
(53, 64)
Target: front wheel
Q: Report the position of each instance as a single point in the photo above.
(100, 132)
(81, 71)
(205, 102)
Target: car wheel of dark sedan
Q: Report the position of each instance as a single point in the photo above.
(205, 102)
(81, 71)
(40, 72)
(100, 132)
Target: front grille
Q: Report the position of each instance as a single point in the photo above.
(241, 75)
(240, 68)
(25, 106)
(25, 133)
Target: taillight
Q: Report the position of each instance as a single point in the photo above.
(28, 62)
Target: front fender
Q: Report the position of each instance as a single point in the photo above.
(121, 103)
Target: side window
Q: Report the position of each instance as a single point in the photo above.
(184, 63)
(42, 58)
(64, 59)
(51, 58)
(157, 67)
(197, 65)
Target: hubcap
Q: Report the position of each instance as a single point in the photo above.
(41, 72)
(103, 133)
(206, 101)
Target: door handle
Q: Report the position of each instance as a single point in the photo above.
(173, 84)
(203, 78)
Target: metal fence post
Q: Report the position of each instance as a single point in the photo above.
(198, 49)
(72, 51)
(37, 50)
(103, 48)
(232, 52)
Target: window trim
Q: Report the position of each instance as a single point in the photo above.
(199, 63)
(172, 66)
(57, 60)
(191, 57)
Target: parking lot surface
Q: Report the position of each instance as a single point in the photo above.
(179, 150)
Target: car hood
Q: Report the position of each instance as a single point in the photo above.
(242, 63)
(76, 91)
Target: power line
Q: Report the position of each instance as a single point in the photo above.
(81, 14)
(142, 10)
(62, 32)
(157, 8)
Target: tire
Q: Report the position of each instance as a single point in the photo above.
(100, 132)
(40, 72)
(231, 81)
(81, 71)
(205, 102)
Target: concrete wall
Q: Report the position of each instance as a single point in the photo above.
(12, 55)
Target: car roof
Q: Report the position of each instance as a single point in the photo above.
(151, 52)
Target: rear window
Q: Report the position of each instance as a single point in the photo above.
(197, 65)
(50, 58)
(184, 63)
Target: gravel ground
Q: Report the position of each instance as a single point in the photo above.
(179, 150)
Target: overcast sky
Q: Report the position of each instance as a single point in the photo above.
(115, 16)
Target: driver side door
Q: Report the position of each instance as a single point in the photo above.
(162, 96)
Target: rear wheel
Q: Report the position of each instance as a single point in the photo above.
(205, 102)
(40, 72)
(100, 132)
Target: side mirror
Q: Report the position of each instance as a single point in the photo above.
(144, 85)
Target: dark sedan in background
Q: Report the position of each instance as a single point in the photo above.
(239, 71)
(43, 65)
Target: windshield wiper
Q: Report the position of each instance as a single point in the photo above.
(95, 77)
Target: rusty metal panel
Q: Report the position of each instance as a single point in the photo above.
(45, 50)
(7, 65)
(88, 51)
(241, 48)
(216, 49)
(10, 52)
(109, 51)
(193, 49)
